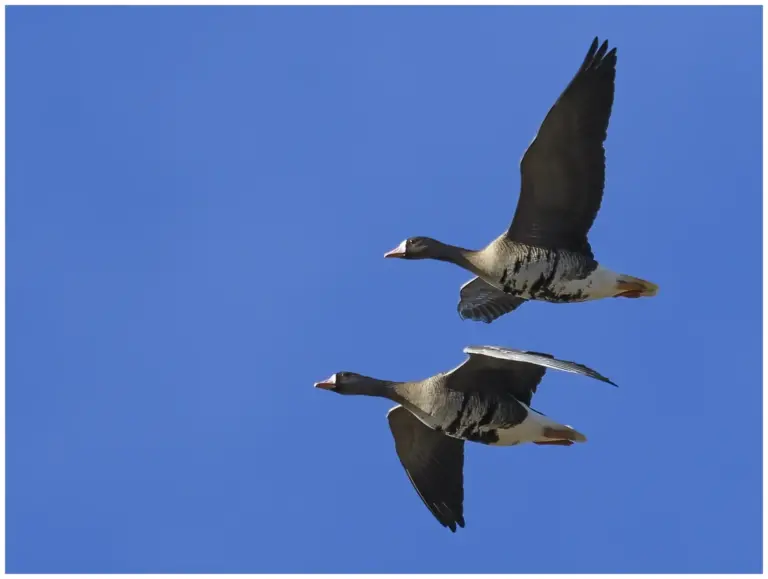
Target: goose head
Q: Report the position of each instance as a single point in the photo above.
(418, 248)
(349, 383)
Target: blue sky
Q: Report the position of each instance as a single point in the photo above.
(198, 201)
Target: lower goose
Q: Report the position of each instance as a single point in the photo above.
(487, 399)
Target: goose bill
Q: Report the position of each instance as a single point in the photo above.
(327, 384)
(399, 251)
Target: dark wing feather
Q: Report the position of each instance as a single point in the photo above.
(496, 371)
(434, 464)
(522, 357)
(496, 377)
(481, 302)
(563, 170)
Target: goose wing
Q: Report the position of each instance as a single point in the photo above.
(434, 464)
(563, 170)
(513, 356)
(481, 302)
(497, 370)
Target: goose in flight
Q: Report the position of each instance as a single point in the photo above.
(487, 399)
(545, 254)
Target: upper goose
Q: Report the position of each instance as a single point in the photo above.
(486, 399)
(545, 255)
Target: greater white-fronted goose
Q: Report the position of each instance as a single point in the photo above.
(486, 399)
(545, 255)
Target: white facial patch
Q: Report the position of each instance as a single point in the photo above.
(399, 251)
(326, 382)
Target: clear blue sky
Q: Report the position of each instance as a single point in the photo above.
(198, 201)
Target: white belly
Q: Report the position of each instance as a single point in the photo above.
(530, 430)
(601, 283)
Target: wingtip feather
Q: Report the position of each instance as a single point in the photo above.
(602, 378)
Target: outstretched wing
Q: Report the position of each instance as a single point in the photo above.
(494, 378)
(434, 464)
(563, 170)
(496, 371)
(481, 302)
(545, 360)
